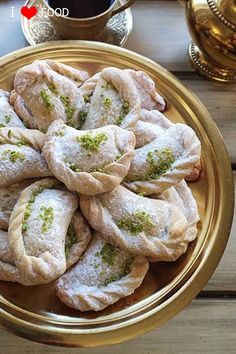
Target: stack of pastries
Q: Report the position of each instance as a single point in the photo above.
(92, 182)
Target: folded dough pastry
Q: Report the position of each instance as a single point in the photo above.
(114, 100)
(8, 198)
(140, 225)
(8, 270)
(165, 161)
(150, 126)
(150, 98)
(49, 95)
(37, 230)
(8, 117)
(77, 239)
(89, 162)
(76, 75)
(104, 275)
(23, 111)
(20, 156)
(181, 196)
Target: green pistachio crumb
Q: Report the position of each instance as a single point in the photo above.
(107, 103)
(47, 216)
(69, 110)
(137, 223)
(13, 155)
(9, 134)
(92, 142)
(53, 89)
(28, 208)
(86, 99)
(106, 86)
(2, 125)
(46, 99)
(71, 239)
(61, 133)
(125, 270)
(160, 161)
(21, 142)
(124, 112)
(108, 254)
(71, 165)
(82, 117)
(44, 130)
(7, 118)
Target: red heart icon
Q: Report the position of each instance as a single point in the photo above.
(28, 12)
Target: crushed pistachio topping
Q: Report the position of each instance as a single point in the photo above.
(86, 99)
(53, 89)
(124, 112)
(46, 99)
(21, 142)
(108, 254)
(106, 86)
(13, 155)
(61, 133)
(125, 270)
(118, 156)
(29, 207)
(92, 142)
(82, 117)
(137, 223)
(47, 216)
(71, 165)
(107, 103)
(44, 130)
(7, 118)
(69, 110)
(2, 125)
(9, 134)
(71, 239)
(160, 161)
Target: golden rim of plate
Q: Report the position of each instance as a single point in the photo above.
(214, 193)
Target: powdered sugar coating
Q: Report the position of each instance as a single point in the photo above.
(118, 88)
(97, 170)
(8, 117)
(39, 252)
(150, 98)
(20, 156)
(32, 80)
(93, 284)
(162, 239)
(185, 147)
(8, 197)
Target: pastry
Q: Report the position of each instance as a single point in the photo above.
(8, 270)
(104, 275)
(49, 95)
(76, 75)
(20, 156)
(37, 230)
(151, 125)
(139, 225)
(150, 98)
(8, 117)
(23, 111)
(115, 100)
(8, 198)
(165, 161)
(181, 196)
(77, 238)
(89, 162)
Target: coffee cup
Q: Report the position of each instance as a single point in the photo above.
(76, 25)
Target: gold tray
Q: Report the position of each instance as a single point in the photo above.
(36, 313)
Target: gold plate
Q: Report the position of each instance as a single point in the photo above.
(36, 313)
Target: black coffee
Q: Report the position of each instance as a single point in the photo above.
(82, 8)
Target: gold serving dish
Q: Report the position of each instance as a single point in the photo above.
(36, 313)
